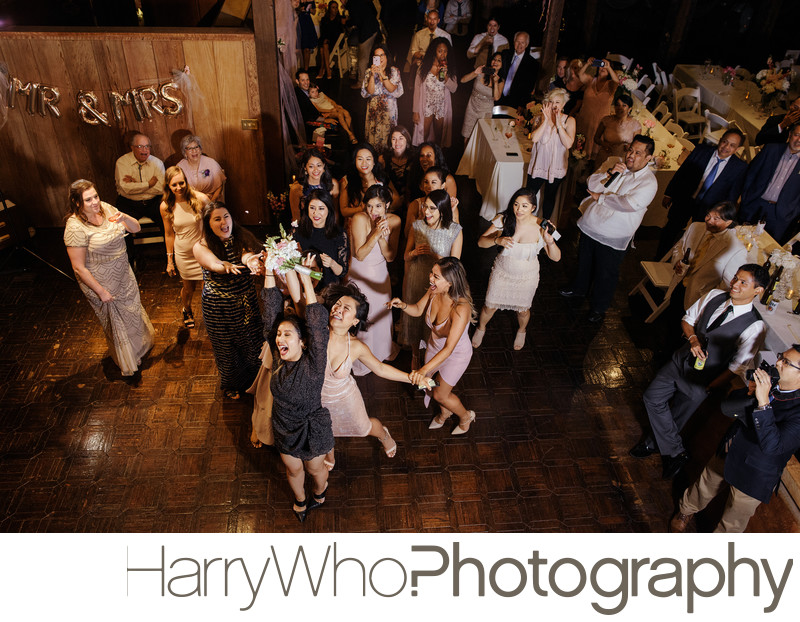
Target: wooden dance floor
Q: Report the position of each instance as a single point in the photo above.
(81, 449)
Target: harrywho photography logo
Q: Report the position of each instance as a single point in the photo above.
(606, 584)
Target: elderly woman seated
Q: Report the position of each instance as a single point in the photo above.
(202, 173)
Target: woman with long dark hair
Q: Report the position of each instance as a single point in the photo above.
(435, 81)
(433, 237)
(485, 91)
(397, 160)
(364, 171)
(314, 175)
(349, 310)
(382, 86)
(448, 309)
(375, 235)
(320, 234)
(515, 274)
(428, 155)
(301, 424)
(229, 256)
(181, 210)
(616, 131)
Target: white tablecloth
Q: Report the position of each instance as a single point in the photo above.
(498, 172)
(727, 101)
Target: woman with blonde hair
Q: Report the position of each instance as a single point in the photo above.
(553, 135)
(95, 239)
(181, 210)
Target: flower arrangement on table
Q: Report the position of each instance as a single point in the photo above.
(529, 114)
(628, 81)
(647, 126)
(772, 82)
(283, 254)
(728, 75)
(277, 203)
(790, 263)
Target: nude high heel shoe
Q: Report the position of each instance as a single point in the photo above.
(460, 429)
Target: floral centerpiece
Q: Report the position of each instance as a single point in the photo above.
(647, 126)
(283, 254)
(529, 114)
(728, 75)
(773, 83)
(628, 81)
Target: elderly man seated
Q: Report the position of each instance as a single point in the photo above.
(715, 253)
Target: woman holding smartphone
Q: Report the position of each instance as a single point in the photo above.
(515, 274)
(382, 86)
(485, 92)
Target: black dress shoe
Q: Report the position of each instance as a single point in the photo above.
(673, 464)
(568, 293)
(643, 448)
(595, 317)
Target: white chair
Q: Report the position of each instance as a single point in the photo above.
(662, 113)
(642, 97)
(661, 76)
(686, 144)
(743, 73)
(676, 130)
(716, 126)
(686, 110)
(644, 82)
(786, 64)
(662, 275)
(747, 151)
(624, 61)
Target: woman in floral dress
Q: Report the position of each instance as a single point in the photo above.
(382, 86)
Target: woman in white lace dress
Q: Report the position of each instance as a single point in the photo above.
(515, 274)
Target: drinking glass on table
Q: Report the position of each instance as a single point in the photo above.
(509, 132)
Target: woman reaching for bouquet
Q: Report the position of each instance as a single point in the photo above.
(515, 274)
(448, 310)
(301, 425)
(229, 302)
(340, 393)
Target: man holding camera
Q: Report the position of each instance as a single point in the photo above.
(754, 451)
(723, 333)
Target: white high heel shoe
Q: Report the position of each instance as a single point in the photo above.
(459, 429)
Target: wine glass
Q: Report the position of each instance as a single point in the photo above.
(509, 132)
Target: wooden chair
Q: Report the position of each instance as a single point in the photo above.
(662, 276)
(661, 113)
(675, 129)
(642, 97)
(686, 144)
(686, 110)
(340, 54)
(716, 126)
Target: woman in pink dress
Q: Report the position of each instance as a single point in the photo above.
(597, 98)
(204, 174)
(448, 309)
(374, 237)
(552, 140)
(616, 131)
(340, 394)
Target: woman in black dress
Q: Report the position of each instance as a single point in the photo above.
(330, 27)
(319, 234)
(302, 426)
(229, 302)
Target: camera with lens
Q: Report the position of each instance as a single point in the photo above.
(774, 374)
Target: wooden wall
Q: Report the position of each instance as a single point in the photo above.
(41, 156)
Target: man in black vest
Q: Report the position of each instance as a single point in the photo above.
(754, 451)
(723, 333)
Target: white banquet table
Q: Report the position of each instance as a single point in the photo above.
(498, 172)
(726, 100)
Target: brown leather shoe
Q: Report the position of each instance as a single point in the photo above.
(679, 522)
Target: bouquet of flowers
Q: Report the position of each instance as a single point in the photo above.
(277, 203)
(647, 126)
(283, 255)
(628, 81)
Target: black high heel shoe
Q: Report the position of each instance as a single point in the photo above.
(317, 499)
(301, 514)
(188, 318)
